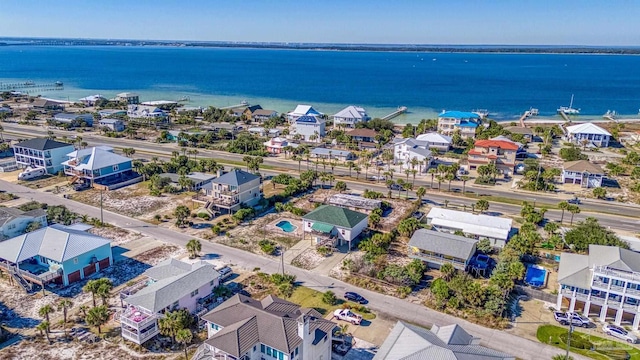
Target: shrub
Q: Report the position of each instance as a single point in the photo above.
(324, 250)
(578, 341)
(203, 215)
(267, 247)
(330, 298)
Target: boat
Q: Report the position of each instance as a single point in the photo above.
(569, 110)
(533, 111)
(59, 83)
(610, 115)
(483, 113)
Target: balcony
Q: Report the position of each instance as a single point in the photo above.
(226, 202)
(606, 271)
(613, 303)
(630, 307)
(227, 192)
(140, 338)
(597, 300)
(600, 285)
(438, 259)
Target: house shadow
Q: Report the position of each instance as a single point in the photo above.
(210, 256)
(11, 319)
(610, 183)
(359, 354)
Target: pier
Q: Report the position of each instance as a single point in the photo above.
(527, 114)
(242, 104)
(30, 86)
(401, 110)
(564, 116)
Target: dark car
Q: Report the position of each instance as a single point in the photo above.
(355, 297)
(575, 200)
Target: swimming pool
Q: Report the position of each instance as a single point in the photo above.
(536, 276)
(286, 226)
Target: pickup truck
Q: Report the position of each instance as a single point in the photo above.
(561, 317)
(347, 315)
(573, 318)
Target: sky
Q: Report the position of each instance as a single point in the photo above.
(518, 22)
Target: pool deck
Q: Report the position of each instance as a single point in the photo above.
(295, 233)
(532, 281)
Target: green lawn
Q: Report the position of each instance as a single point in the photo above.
(309, 298)
(588, 345)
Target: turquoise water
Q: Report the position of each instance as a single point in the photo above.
(286, 226)
(535, 276)
(506, 84)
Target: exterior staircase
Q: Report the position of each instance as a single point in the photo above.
(73, 180)
(27, 286)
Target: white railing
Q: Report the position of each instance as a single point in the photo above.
(597, 300)
(630, 307)
(605, 270)
(139, 338)
(126, 320)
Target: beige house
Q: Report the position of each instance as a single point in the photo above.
(228, 192)
(499, 152)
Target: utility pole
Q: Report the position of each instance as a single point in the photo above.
(101, 216)
(569, 340)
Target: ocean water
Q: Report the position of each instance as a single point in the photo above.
(427, 83)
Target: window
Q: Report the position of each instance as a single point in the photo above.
(75, 260)
(115, 168)
(194, 293)
(296, 351)
(216, 327)
(262, 349)
(268, 351)
(254, 348)
(175, 304)
(212, 282)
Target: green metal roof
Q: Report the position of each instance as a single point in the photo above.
(324, 228)
(336, 216)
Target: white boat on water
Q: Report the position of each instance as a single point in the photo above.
(569, 110)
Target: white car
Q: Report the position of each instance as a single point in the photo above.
(620, 333)
(348, 316)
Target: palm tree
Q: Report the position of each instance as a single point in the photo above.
(449, 177)
(573, 209)
(563, 205)
(92, 287)
(350, 165)
(448, 271)
(440, 180)
(432, 171)
(97, 317)
(420, 193)
(464, 179)
(84, 309)
(193, 247)
(184, 337)
(64, 305)
(104, 290)
(44, 329)
(45, 311)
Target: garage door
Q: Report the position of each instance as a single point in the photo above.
(104, 263)
(88, 270)
(74, 276)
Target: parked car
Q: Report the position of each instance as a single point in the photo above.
(561, 317)
(348, 316)
(578, 320)
(225, 272)
(355, 297)
(620, 333)
(395, 187)
(575, 200)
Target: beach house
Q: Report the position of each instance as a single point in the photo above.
(435, 141)
(406, 341)
(350, 116)
(334, 225)
(56, 253)
(73, 120)
(14, 222)
(588, 134)
(198, 179)
(276, 145)
(465, 122)
(91, 100)
(42, 153)
(330, 154)
(311, 128)
(230, 191)
(405, 150)
(582, 172)
(436, 248)
(97, 165)
(170, 285)
(263, 115)
(477, 226)
(116, 125)
(302, 110)
(128, 98)
(273, 328)
(41, 104)
(146, 113)
(605, 283)
(502, 153)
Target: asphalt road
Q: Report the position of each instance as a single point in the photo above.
(397, 308)
(12, 130)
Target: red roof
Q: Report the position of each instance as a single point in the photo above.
(502, 144)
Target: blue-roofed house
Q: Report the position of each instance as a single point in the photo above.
(55, 254)
(230, 191)
(302, 110)
(73, 120)
(312, 128)
(465, 122)
(97, 165)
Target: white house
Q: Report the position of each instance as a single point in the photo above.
(145, 112)
(436, 141)
(42, 153)
(92, 99)
(128, 98)
(593, 134)
(406, 341)
(350, 116)
(405, 150)
(168, 286)
(116, 125)
(309, 126)
(582, 172)
(338, 225)
(303, 110)
(478, 226)
(14, 222)
(605, 283)
(270, 329)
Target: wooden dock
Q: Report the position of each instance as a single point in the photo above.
(401, 110)
(30, 87)
(242, 104)
(564, 116)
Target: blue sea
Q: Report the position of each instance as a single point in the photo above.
(427, 83)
